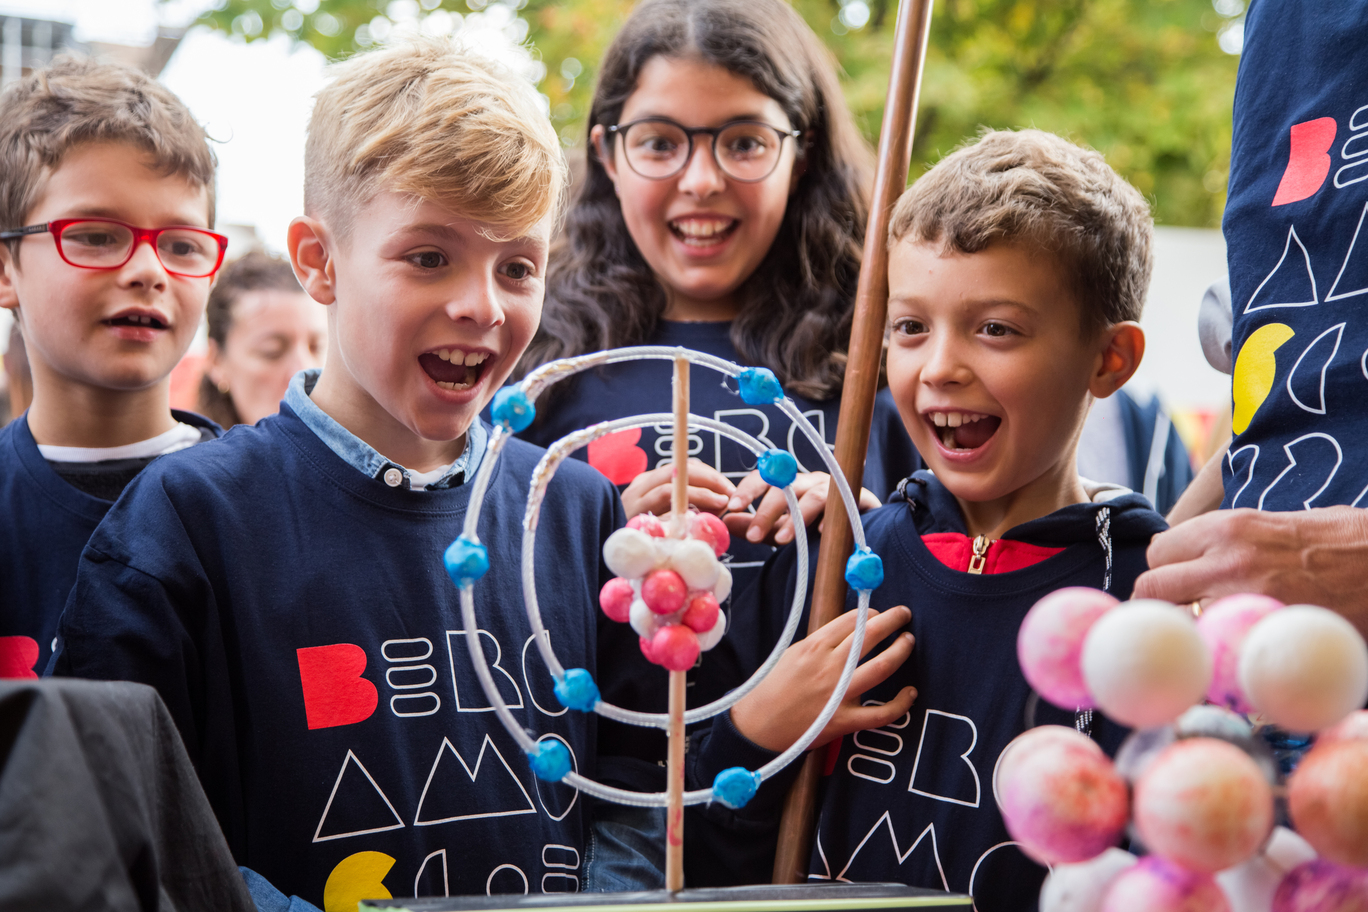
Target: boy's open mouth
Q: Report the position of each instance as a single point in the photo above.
(137, 320)
(453, 369)
(700, 232)
(963, 430)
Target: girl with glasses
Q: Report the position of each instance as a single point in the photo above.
(722, 209)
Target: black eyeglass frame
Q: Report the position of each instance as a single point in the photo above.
(622, 128)
(150, 235)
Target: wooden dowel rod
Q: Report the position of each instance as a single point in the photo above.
(679, 505)
(861, 385)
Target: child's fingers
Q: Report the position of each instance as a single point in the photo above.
(878, 628)
(878, 669)
(877, 716)
(702, 475)
(705, 499)
(772, 506)
(751, 487)
(868, 501)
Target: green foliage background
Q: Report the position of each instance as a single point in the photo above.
(1143, 81)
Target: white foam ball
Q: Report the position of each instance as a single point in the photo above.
(695, 562)
(1250, 886)
(1304, 668)
(1144, 663)
(710, 639)
(1082, 887)
(629, 554)
(643, 620)
(722, 588)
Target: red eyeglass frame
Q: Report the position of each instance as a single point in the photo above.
(150, 235)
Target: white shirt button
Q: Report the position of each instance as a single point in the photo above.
(393, 477)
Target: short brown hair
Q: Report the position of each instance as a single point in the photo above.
(1037, 188)
(427, 118)
(77, 100)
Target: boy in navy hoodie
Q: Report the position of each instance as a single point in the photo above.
(106, 198)
(1018, 268)
(283, 587)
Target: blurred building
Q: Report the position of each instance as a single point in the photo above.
(27, 43)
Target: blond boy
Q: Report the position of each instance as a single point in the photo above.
(106, 258)
(290, 604)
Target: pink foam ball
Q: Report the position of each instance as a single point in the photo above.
(648, 650)
(1223, 626)
(1061, 798)
(615, 598)
(700, 615)
(1327, 796)
(1050, 643)
(708, 528)
(1353, 727)
(1158, 885)
(647, 522)
(1322, 886)
(1204, 804)
(1145, 663)
(1304, 668)
(663, 591)
(675, 647)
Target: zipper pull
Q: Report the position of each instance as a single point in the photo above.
(980, 556)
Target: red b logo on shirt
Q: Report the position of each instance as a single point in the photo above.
(334, 691)
(1308, 162)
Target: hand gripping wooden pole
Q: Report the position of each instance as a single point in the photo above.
(861, 385)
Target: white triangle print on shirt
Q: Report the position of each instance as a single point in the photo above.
(1313, 393)
(433, 882)
(499, 794)
(948, 733)
(886, 821)
(1293, 284)
(1309, 453)
(1355, 264)
(356, 805)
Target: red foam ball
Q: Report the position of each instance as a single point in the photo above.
(616, 599)
(646, 522)
(675, 647)
(708, 528)
(1327, 796)
(701, 615)
(663, 591)
(648, 650)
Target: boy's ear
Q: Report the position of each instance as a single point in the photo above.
(1122, 350)
(598, 137)
(9, 294)
(311, 249)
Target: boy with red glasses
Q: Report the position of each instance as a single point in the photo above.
(106, 259)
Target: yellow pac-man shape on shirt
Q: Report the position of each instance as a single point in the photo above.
(355, 878)
(1255, 368)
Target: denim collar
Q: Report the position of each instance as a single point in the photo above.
(362, 456)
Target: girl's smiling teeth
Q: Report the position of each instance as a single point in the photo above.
(702, 232)
(453, 369)
(963, 430)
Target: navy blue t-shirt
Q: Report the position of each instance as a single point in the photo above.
(45, 523)
(639, 387)
(296, 619)
(913, 801)
(1298, 255)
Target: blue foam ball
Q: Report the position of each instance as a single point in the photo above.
(778, 468)
(466, 561)
(759, 386)
(513, 409)
(864, 570)
(735, 786)
(550, 761)
(577, 690)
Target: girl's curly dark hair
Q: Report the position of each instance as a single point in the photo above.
(797, 307)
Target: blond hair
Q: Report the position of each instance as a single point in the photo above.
(429, 119)
(77, 100)
(1037, 188)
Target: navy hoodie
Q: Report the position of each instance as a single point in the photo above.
(296, 619)
(913, 801)
(45, 523)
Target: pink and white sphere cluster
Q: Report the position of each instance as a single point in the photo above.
(669, 589)
(1196, 791)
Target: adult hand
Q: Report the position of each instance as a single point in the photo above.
(1317, 557)
(777, 712)
(771, 521)
(651, 492)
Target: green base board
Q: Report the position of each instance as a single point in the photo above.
(803, 898)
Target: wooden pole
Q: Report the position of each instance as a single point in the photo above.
(679, 505)
(861, 386)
